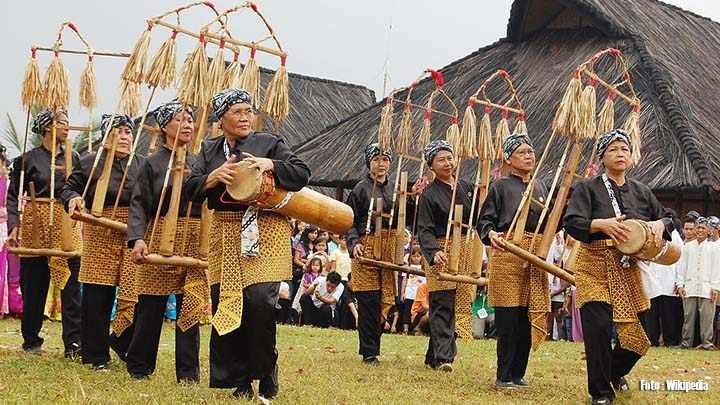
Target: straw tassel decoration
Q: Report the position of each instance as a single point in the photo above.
(277, 99)
(233, 72)
(452, 135)
(385, 127)
(162, 69)
(405, 131)
(32, 86)
(484, 136)
(502, 131)
(250, 79)
(586, 112)
(88, 84)
(129, 97)
(56, 85)
(566, 116)
(426, 130)
(193, 81)
(216, 71)
(468, 134)
(632, 128)
(135, 66)
(606, 120)
(520, 126)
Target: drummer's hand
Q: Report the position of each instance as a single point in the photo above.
(12, 238)
(139, 252)
(358, 250)
(614, 228)
(74, 204)
(264, 164)
(223, 174)
(658, 229)
(496, 240)
(440, 258)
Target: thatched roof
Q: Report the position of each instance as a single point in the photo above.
(670, 52)
(315, 103)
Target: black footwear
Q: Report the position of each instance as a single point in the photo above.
(602, 401)
(520, 382)
(371, 361)
(140, 376)
(269, 385)
(100, 366)
(505, 384)
(446, 367)
(33, 349)
(72, 351)
(621, 385)
(243, 392)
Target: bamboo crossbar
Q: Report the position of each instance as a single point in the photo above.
(498, 106)
(538, 262)
(459, 278)
(76, 52)
(99, 221)
(23, 251)
(594, 76)
(422, 107)
(174, 260)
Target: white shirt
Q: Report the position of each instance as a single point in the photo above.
(413, 282)
(322, 289)
(700, 268)
(659, 279)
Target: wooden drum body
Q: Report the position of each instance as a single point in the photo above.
(642, 246)
(251, 187)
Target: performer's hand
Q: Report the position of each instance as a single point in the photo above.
(419, 185)
(12, 238)
(358, 250)
(264, 164)
(658, 228)
(440, 258)
(681, 292)
(139, 252)
(614, 228)
(74, 204)
(223, 174)
(496, 240)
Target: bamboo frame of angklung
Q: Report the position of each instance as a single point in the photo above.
(54, 94)
(198, 83)
(576, 118)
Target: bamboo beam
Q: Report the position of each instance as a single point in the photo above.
(76, 52)
(99, 221)
(538, 262)
(23, 251)
(459, 278)
(174, 260)
(498, 106)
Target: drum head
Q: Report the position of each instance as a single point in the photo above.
(638, 235)
(245, 186)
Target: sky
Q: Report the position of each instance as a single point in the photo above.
(362, 42)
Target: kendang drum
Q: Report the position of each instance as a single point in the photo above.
(641, 245)
(251, 187)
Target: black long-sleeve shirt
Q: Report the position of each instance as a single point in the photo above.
(75, 184)
(503, 199)
(359, 200)
(291, 173)
(590, 200)
(433, 210)
(146, 194)
(37, 170)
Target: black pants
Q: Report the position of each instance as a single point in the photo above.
(513, 342)
(320, 317)
(369, 330)
(247, 353)
(441, 347)
(604, 363)
(665, 318)
(97, 304)
(143, 350)
(34, 285)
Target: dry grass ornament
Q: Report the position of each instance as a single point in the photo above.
(385, 127)
(277, 98)
(485, 136)
(566, 116)
(193, 88)
(250, 79)
(129, 97)
(88, 84)
(468, 134)
(452, 135)
(405, 131)
(426, 130)
(586, 112)
(216, 71)
(632, 128)
(56, 86)
(232, 73)
(606, 120)
(502, 131)
(162, 69)
(520, 125)
(32, 88)
(135, 66)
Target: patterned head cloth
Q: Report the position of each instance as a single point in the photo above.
(222, 101)
(434, 147)
(610, 137)
(42, 121)
(120, 120)
(164, 113)
(702, 221)
(513, 142)
(373, 150)
(714, 222)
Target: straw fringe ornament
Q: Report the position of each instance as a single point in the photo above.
(162, 69)
(632, 128)
(566, 116)
(385, 127)
(250, 79)
(129, 97)
(405, 132)
(468, 134)
(606, 120)
(135, 66)
(452, 135)
(425, 131)
(32, 92)
(277, 100)
(485, 137)
(88, 85)
(216, 71)
(520, 126)
(586, 112)
(56, 85)
(233, 72)
(502, 131)
(193, 81)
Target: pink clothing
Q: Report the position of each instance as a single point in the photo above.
(10, 297)
(577, 333)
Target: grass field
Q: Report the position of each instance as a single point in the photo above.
(322, 367)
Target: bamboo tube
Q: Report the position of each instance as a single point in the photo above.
(377, 248)
(524, 212)
(23, 251)
(538, 262)
(205, 224)
(480, 282)
(66, 238)
(400, 234)
(201, 129)
(36, 225)
(455, 247)
(53, 165)
(396, 191)
(451, 214)
(101, 186)
(167, 238)
(99, 221)
(478, 250)
(174, 260)
(389, 266)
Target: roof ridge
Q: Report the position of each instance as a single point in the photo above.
(692, 13)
